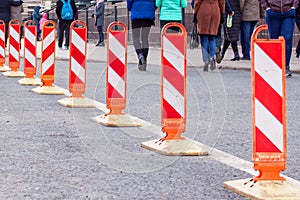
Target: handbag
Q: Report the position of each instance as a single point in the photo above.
(194, 43)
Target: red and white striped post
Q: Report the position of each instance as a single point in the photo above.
(268, 123)
(30, 45)
(14, 49)
(116, 71)
(47, 68)
(173, 96)
(268, 101)
(77, 67)
(3, 67)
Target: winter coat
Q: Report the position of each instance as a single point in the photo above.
(43, 19)
(16, 12)
(279, 5)
(250, 10)
(5, 9)
(141, 9)
(208, 15)
(170, 10)
(99, 14)
(59, 5)
(233, 33)
(36, 16)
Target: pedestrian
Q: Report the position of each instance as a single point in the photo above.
(16, 13)
(99, 21)
(142, 16)
(298, 25)
(232, 34)
(43, 20)
(251, 13)
(66, 12)
(170, 11)
(207, 14)
(5, 13)
(280, 18)
(36, 16)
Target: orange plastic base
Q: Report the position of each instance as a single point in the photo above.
(269, 171)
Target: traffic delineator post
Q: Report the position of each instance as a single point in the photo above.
(116, 71)
(268, 123)
(14, 49)
(3, 67)
(173, 97)
(77, 68)
(47, 67)
(30, 45)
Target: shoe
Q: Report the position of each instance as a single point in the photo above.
(235, 59)
(100, 44)
(66, 48)
(142, 63)
(245, 58)
(59, 47)
(219, 57)
(288, 73)
(212, 63)
(205, 67)
(297, 55)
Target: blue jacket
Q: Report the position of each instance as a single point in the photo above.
(141, 9)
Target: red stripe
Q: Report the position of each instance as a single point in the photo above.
(112, 93)
(263, 144)
(268, 97)
(168, 111)
(50, 71)
(273, 50)
(74, 79)
(116, 64)
(28, 64)
(178, 41)
(48, 51)
(173, 76)
(120, 36)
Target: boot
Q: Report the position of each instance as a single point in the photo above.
(142, 62)
(212, 64)
(205, 67)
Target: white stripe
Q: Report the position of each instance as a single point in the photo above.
(117, 48)
(77, 69)
(30, 37)
(48, 39)
(13, 33)
(268, 69)
(174, 56)
(1, 35)
(2, 52)
(48, 63)
(269, 125)
(14, 52)
(173, 97)
(78, 42)
(30, 57)
(116, 81)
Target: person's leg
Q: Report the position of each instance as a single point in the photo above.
(235, 51)
(136, 31)
(67, 32)
(273, 19)
(145, 40)
(212, 51)
(298, 45)
(61, 34)
(242, 36)
(287, 30)
(225, 47)
(204, 48)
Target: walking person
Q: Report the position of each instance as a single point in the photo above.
(5, 13)
(36, 16)
(66, 12)
(170, 11)
(207, 14)
(280, 18)
(16, 13)
(232, 34)
(43, 20)
(142, 16)
(99, 21)
(251, 13)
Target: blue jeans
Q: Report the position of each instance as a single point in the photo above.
(247, 28)
(282, 24)
(208, 46)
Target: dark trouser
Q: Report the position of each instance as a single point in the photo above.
(247, 28)
(233, 45)
(100, 32)
(140, 34)
(64, 26)
(298, 45)
(219, 37)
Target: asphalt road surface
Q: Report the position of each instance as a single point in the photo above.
(53, 152)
